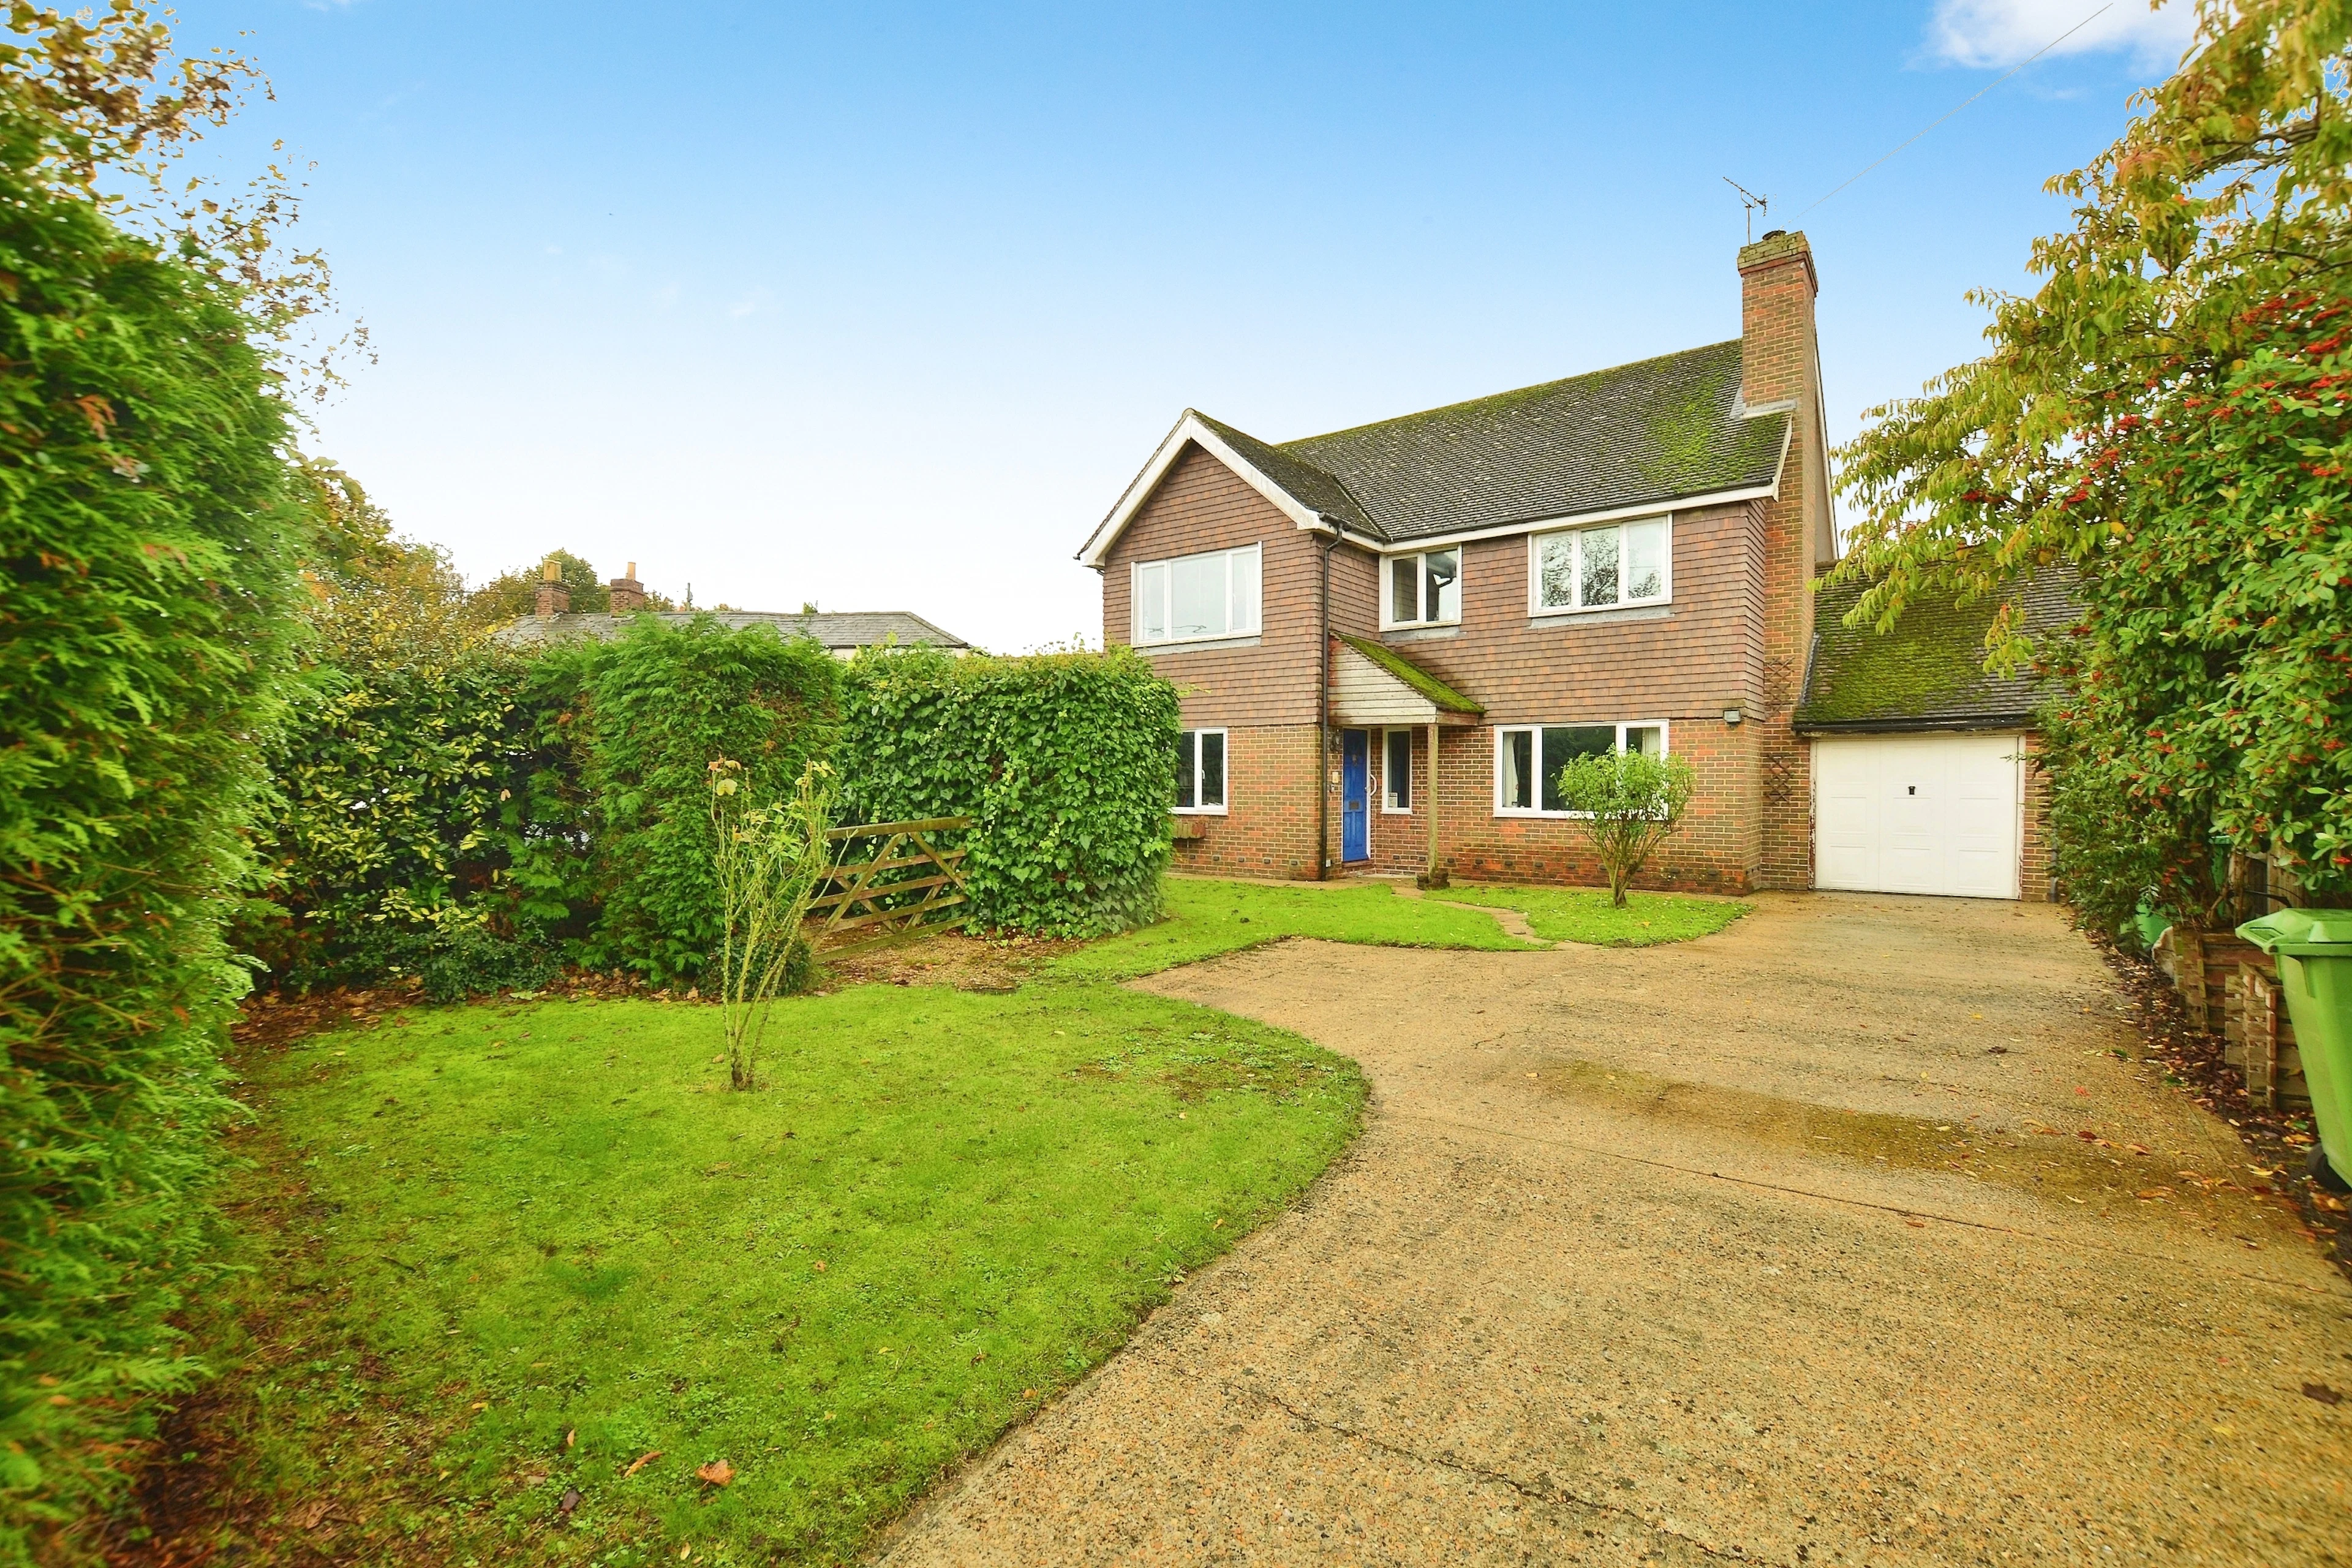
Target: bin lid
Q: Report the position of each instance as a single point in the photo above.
(2297, 932)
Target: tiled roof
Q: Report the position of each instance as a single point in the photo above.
(1646, 434)
(848, 629)
(1411, 674)
(1928, 672)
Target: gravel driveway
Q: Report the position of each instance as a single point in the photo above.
(1784, 1245)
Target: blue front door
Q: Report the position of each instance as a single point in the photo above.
(1355, 794)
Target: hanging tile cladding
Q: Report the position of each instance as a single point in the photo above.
(1200, 505)
(1702, 656)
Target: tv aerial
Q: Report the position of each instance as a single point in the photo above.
(1751, 204)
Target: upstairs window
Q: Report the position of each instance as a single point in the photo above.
(1529, 760)
(1423, 590)
(1198, 599)
(1604, 568)
(1201, 772)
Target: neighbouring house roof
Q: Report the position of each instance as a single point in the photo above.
(1427, 686)
(843, 632)
(1928, 672)
(1612, 441)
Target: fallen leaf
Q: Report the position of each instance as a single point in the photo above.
(2298, 1138)
(1916, 1223)
(640, 1462)
(2153, 1192)
(2321, 1393)
(2080, 1089)
(1028, 1394)
(2138, 1150)
(719, 1472)
(2087, 1135)
(570, 1501)
(572, 1437)
(479, 1405)
(2225, 1431)
(820, 1265)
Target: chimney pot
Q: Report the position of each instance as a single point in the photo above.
(628, 595)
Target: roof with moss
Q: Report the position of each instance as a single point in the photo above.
(1928, 672)
(1651, 432)
(1411, 674)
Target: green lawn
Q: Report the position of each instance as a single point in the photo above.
(1205, 918)
(1579, 915)
(503, 1252)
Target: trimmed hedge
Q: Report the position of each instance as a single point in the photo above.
(1065, 761)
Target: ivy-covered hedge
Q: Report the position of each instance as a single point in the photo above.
(645, 714)
(152, 520)
(1065, 761)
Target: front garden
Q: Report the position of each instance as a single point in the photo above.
(523, 1277)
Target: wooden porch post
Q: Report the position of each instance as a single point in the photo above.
(1433, 801)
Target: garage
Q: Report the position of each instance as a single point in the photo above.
(1936, 813)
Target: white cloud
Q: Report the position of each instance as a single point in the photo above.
(2003, 32)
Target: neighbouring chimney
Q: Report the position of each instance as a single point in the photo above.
(628, 593)
(554, 598)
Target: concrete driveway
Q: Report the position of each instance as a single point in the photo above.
(1783, 1246)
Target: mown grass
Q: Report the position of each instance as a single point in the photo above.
(1205, 918)
(1579, 914)
(502, 1254)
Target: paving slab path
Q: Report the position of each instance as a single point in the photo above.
(1783, 1246)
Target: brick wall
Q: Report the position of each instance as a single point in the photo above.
(1268, 829)
(2034, 864)
(1778, 362)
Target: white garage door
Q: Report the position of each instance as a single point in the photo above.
(1917, 813)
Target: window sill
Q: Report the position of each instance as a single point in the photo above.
(1509, 814)
(1621, 613)
(1421, 633)
(1197, 810)
(1196, 644)
(1396, 811)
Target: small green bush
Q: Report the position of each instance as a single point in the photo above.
(452, 966)
(1627, 803)
(1066, 761)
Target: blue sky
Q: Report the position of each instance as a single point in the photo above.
(881, 308)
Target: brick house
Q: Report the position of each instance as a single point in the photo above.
(1391, 638)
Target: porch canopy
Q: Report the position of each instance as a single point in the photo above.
(1374, 685)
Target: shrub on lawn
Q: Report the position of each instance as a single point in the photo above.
(154, 522)
(1627, 803)
(1063, 760)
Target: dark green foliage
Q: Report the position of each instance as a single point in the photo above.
(151, 524)
(1065, 761)
(452, 966)
(655, 707)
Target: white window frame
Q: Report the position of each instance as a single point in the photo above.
(1419, 558)
(1666, 748)
(1536, 605)
(1388, 793)
(1256, 556)
(1191, 738)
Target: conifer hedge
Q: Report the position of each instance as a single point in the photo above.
(151, 518)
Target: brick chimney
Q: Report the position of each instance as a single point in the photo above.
(1780, 375)
(554, 598)
(628, 593)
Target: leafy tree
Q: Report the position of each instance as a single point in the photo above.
(154, 519)
(1629, 802)
(2168, 410)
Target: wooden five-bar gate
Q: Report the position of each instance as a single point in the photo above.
(907, 884)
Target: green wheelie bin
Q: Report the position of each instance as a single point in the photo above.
(2314, 949)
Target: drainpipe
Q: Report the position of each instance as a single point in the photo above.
(1323, 713)
(1431, 879)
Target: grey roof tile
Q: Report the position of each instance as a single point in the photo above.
(837, 630)
(1651, 433)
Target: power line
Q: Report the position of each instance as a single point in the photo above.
(1974, 96)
